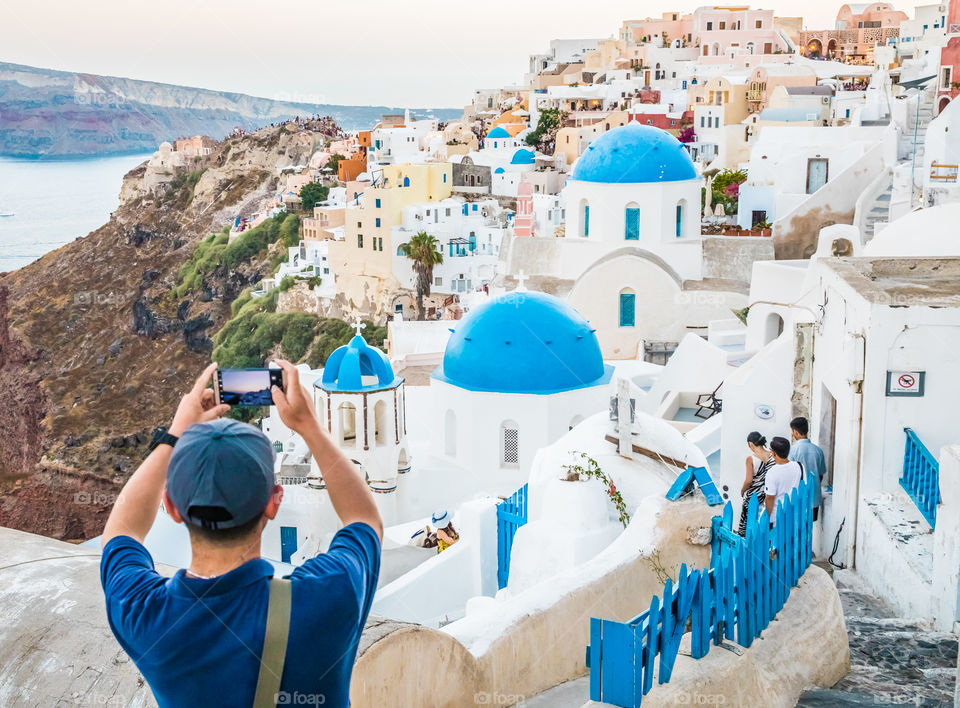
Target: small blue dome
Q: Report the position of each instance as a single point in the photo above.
(523, 342)
(498, 132)
(523, 157)
(634, 153)
(499, 171)
(357, 367)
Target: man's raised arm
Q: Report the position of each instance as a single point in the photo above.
(349, 493)
(136, 506)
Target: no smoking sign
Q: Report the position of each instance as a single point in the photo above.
(905, 383)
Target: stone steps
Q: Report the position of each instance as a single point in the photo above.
(893, 661)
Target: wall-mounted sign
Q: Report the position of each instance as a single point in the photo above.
(905, 383)
(764, 412)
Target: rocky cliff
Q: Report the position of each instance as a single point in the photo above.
(94, 349)
(46, 113)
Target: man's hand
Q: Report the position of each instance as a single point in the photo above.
(293, 403)
(198, 406)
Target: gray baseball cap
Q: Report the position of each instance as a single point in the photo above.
(221, 474)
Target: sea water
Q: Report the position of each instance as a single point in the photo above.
(55, 201)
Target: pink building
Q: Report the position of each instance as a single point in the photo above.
(949, 79)
(729, 32)
(523, 220)
(859, 28)
(671, 25)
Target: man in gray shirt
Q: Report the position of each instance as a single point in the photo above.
(810, 456)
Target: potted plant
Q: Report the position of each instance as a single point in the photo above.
(585, 468)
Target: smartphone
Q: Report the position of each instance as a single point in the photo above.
(246, 387)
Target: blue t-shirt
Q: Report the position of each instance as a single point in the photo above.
(198, 642)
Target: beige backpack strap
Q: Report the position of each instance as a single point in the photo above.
(274, 644)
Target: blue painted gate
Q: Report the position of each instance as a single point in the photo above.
(511, 515)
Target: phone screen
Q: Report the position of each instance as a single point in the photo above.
(247, 387)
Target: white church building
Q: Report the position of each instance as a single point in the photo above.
(518, 372)
(631, 254)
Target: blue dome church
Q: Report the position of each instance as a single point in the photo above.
(362, 404)
(517, 373)
(631, 249)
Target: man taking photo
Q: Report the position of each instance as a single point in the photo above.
(198, 638)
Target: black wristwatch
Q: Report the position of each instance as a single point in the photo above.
(162, 437)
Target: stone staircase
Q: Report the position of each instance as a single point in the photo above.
(878, 211)
(893, 661)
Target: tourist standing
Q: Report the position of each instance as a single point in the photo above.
(810, 456)
(758, 462)
(782, 478)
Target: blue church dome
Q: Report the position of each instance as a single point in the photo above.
(523, 157)
(523, 342)
(357, 367)
(634, 153)
(498, 132)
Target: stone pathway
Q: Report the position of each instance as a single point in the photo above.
(892, 661)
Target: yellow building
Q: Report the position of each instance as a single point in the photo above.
(363, 261)
(318, 227)
(572, 141)
(730, 92)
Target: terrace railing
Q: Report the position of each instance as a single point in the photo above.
(747, 584)
(511, 515)
(921, 477)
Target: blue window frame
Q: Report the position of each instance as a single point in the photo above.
(628, 303)
(679, 220)
(444, 177)
(406, 181)
(288, 542)
(465, 209)
(378, 222)
(586, 219)
(632, 228)
(378, 203)
(474, 207)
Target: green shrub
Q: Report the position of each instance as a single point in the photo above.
(215, 252)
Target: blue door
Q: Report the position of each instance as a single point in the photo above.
(288, 542)
(627, 309)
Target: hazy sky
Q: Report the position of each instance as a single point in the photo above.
(391, 52)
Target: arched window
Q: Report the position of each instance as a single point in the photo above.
(380, 425)
(773, 327)
(628, 308)
(509, 444)
(631, 230)
(679, 220)
(406, 181)
(750, 47)
(347, 422)
(400, 251)
(584, 218)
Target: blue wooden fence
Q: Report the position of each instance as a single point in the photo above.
(921, 476)
(735, 599)
(511, 515)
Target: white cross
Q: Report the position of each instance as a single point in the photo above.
(358, 325)
(521, 277)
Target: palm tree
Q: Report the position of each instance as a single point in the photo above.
(423, 250)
